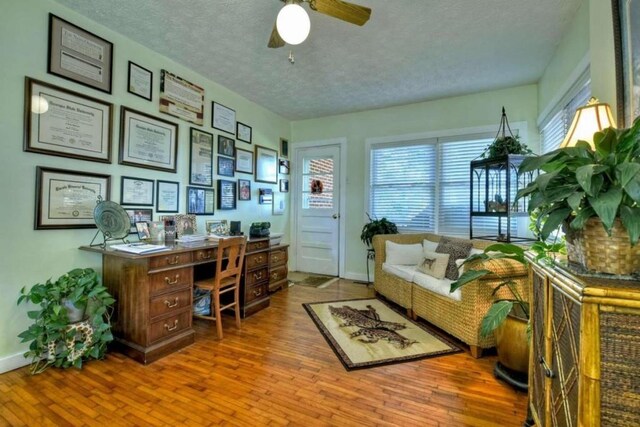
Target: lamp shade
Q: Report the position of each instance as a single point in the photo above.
(592, 118)
(293, 23)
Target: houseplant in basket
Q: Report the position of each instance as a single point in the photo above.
(594, 193)
(72, 323)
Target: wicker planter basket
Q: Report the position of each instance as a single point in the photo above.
(598, 252)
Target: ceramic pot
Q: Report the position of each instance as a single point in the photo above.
(512, 344)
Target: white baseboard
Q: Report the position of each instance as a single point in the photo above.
(358, 277)
(15, 361)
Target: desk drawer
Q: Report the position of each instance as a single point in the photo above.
(169, 326)
(277, 257)
(170, 280)
(278, 274)
(256, 260)
(256, 276)
(205, 255)
(256, 246)
(256, 292)
(169, 303)
(169, 260)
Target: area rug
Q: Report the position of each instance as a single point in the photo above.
(368, 332)
(310, 279)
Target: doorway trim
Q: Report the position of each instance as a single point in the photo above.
(295, 147)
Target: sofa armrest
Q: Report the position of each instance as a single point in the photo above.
(480, 291)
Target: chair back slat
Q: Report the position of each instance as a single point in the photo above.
(231, 249)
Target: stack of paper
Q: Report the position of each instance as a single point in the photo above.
(139, 248)
(188, 238)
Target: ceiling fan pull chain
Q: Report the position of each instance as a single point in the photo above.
(292, 59)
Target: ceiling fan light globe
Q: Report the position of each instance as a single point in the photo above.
(293, 24)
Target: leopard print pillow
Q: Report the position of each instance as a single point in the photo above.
(457, 249)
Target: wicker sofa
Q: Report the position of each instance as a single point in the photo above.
(459, 318)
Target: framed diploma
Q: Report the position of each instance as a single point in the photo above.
(138, 215)
(63, 123)
(167, 196)
(136, 191)
(244, 161)
(140, 81)
(226, 195)
(225, 166)
(200, 201)
(181, 98)
(243, 132)
(266, 165)
(66, 199)
(201, 158)
(78, 55)
(147, 141)
(223, 118)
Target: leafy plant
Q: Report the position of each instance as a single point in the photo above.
(376, 226)
(501, 308)
(81, 288)
(504, 145)
(580, 182)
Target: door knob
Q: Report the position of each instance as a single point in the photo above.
(335, 216)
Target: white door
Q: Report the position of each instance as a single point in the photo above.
(318, 226)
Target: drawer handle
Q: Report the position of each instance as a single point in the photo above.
(171, 328)
(172, 282)
(274, 276)
(259, 259)
(175, 260)
(257, 276)
(548, 372)
(276, 258)
(207, 256)
(171, 305)
(257, 292)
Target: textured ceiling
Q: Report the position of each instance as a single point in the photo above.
(410, 50)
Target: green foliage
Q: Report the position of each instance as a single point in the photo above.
(376, 226)
(506, 145)
(579, 183)
(501, 308)
(80, 287)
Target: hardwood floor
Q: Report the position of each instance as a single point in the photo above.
(277, 370)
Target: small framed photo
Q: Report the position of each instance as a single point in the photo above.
(226, 195)
(223, 118)
(266, 165)
(279, 205)
(136, 191)
(185, 224)
(79, 55)
(225, 166)
(143, 230)
(138, 215)
(284, 147)
(201, 158)
(140, 81)
(284, 166)
(265, 196)
(244, 161)
(200, 201)
(244, 189)
(226, 146)
(167, 196)
(219, 227)
(243, 132)
(284, 185)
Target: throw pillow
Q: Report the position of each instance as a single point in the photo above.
(428, 245)
(456, 248)
(398, 254)
(434, 264)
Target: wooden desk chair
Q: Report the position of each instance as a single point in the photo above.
(226, 279)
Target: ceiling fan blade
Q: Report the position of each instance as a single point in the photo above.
(349, 12)
(275, 40)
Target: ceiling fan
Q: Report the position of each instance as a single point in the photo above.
(298, 18)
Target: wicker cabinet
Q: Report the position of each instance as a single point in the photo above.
(585, 358)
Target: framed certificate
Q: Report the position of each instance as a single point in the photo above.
(244, 161)
(136, 191)
(147, 141)
(167, 196)
(243, 132)
(226, 195)
(201, 158)
(63, 123)
(223, 118)
(140, 81)
(266, 165)
(181, 98)
(66, 199)
(78, 55)
(200, 201)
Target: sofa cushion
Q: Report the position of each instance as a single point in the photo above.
(397, 254)
(405, 272)
(457, 249)
(429, 245)
(434, 264)
(437, 286)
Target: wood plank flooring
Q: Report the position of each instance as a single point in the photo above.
(276, 370)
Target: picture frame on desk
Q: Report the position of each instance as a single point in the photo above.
(138, 215)
(185, 224)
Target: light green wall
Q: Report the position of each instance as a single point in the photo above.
(30, 256)
(603, 60)
(482, 109)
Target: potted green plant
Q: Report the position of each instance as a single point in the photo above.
(72, 322)
(595, 194)
(504, 145)
(376, 226)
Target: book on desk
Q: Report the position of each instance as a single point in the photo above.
(139, 248)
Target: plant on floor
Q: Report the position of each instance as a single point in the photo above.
(376, 226)
(73, 322)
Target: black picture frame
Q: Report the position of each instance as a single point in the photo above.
(284, 185)
(167, 196)
(223, 118)
(142, 228)
(226, 166)
(244, 132)
(226, 195)
(244, 189)
(97, 63)
(627, 52)
(266, 169)
(226, 146)
(284, 147)
(200, 158)
(244, 161)
(283, 166)
(136, 191)
(138, 215)
(200, 201)
(140, 72)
